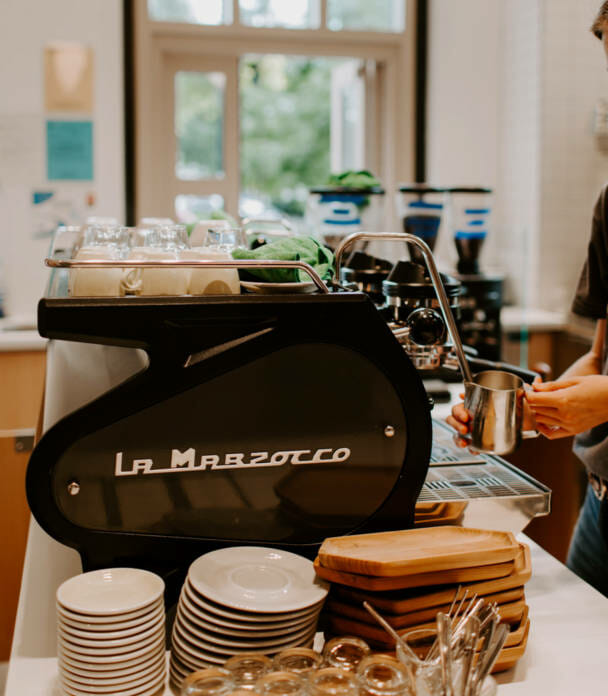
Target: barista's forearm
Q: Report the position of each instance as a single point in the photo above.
(591, 362)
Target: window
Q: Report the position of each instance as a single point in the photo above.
(244, 105)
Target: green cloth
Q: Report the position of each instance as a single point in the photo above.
(305, 249)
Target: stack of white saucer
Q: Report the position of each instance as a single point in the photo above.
(244, 600)
(111, 633)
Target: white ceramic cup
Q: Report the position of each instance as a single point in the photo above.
(211, 281)
(156, 281)
(96, 282)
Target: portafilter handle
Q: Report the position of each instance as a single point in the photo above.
(435, 279)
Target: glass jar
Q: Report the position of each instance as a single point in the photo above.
(281, 684)
(345, 652)
(247, 668)
(298, 660)
(332, 681)
(214, 681)
(381, 675)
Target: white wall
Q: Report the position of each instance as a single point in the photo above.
(537, 73)
(26, 26)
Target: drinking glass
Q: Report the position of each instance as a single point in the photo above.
(281, 684)
(226, 238)
(426, 674)
(332, 681)
(298, 660)
(247, 668)
(381, 675)
(214, 681)
(345, 652)
(106, 236)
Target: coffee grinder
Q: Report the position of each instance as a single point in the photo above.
(469, 212)
(421, 208)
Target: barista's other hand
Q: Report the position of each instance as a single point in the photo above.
(571, 406)
(461, 419)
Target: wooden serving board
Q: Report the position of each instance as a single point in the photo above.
(442, 577)
(509, 656)
(413, 618)
(404, 601)
(376, 636)
(447, 513)
(414, 551)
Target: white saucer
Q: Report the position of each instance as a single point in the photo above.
(209, 623)
(112, 623)
(110, 591)
(101, 677)
(69, 628)
(250, 619)
(101, 650)
(189, 648)
(78, 641)
(257, 579)
(207, 641)
(93, 669)
(264, 288)
(112, 658)
(150, 690)
(112, 685)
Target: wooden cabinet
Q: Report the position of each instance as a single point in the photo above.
(21, 388)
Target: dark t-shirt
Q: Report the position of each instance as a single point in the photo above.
(591, 300)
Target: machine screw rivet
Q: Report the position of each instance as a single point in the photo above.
(389, 431)
(73, 488)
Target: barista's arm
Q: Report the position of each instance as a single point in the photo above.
(578, 400)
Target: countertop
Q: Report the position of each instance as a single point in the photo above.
(19, 333)
(565, 655)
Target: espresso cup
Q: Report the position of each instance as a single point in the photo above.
(96, 282)
(211, 281)
(156, 281)
(495, 403)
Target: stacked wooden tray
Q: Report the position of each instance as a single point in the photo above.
(410, 576)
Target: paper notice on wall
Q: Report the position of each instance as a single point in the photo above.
(69, 150)
(68, 77)
(50, 209)
(21, 149)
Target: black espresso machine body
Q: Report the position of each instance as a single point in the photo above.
(266, 420)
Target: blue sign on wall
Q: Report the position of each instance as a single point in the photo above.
(69, 150)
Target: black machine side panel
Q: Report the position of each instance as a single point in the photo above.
(255, 453)
(273, 434)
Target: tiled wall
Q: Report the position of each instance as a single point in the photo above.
(537, 74)
(573, 168)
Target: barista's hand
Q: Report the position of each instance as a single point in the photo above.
(460, 419)
(569, 407)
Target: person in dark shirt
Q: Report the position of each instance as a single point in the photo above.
(576, 404)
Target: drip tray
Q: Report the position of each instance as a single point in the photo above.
(496, 495)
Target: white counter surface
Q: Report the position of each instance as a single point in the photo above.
(14, 341)
(566, 651)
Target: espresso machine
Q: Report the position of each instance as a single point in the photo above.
(233, 419)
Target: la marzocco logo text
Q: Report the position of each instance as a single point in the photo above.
(182, 462)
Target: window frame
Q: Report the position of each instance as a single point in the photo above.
(393, 122)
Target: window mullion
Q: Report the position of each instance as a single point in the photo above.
(323, 18)
(236, 15)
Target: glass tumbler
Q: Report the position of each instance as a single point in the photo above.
(281, 684)
(298, 660)
(247, 668)
(381, 675)
(226, 238)
(332, 681)
(345, 652)
(214, 681)
(425, 674)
